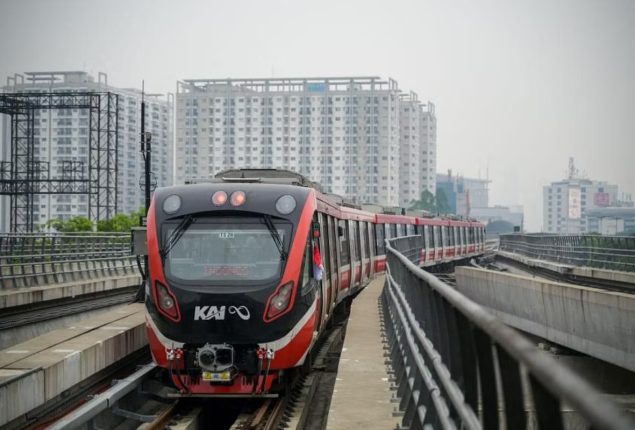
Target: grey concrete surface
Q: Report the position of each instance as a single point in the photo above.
(595, 322)
(36, 371)
(28, 295)
(361, 397)
(13, 336)
(588, 272)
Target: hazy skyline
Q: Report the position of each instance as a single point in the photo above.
(519, 87)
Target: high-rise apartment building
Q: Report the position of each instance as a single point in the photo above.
(344, 133)
(417, 125)
(61, 136)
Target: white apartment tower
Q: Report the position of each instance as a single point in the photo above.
(341, 132)
(60, 135)
(417, 148)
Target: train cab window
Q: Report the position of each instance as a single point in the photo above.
(344, 252)
(227, 251)
(379, 242)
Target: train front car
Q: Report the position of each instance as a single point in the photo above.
(227, 314)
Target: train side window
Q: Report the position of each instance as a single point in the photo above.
(326, 240)
(356, 245)
(344, 252)
(306, 263)
(379, 242)
(426, 236)
(366, 234)
(410, 229)
(388, 231)
(360, 240)
(393, 228)
(332, 226)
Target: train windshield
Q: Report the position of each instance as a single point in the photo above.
(226, 251)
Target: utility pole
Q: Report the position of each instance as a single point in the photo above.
(147, 158)
(146, 149)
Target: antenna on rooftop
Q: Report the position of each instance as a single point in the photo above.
(573, 172)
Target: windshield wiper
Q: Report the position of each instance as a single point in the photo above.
(176, 235)
(276, 236)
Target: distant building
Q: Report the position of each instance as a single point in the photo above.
(512, 214)
(352, 134)
(417, 137)
(566, 203)
(611, 221)
(463, 194)
(61, 136)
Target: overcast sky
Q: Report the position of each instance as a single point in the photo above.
(519, 86)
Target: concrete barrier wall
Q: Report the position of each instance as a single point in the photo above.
(592, 321)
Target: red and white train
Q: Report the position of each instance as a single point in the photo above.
(244, 274)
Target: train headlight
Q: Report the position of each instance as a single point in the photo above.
(285, 204)
(219, 198)
(166, 302)
(171, 204)
(279, 302)
(238, 198)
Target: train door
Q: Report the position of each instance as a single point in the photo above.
(365, 236)
(307, 278)
(380, 247)
(356, 267)
(438, 244)
(370, 227)
(327, 289)
(426, 241)
(345, 256)
(455, 239)
(331, 229)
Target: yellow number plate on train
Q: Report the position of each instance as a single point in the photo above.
(217, 376)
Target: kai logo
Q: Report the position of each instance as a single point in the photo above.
(207, 313)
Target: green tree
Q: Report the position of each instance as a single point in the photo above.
(442, 204)
(426, 202)
(73, 225)
(121, 222)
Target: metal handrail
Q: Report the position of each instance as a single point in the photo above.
(442, 342)
(33, 259)
(52, 247)
(606, 252)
